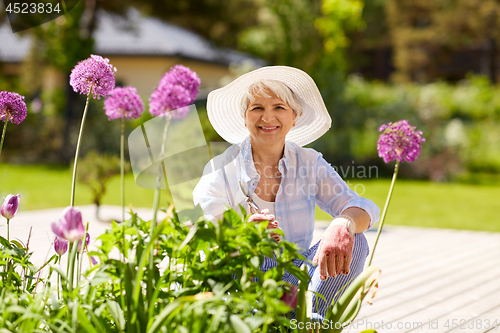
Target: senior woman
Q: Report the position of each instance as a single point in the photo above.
(268, 115)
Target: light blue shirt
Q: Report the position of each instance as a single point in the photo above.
(307, 180)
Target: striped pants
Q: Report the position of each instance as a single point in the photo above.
(331, 286)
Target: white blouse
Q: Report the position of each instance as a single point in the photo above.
(264, 204)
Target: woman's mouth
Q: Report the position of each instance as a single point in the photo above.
(268, 128)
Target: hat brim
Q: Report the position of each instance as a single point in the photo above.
(225, 114)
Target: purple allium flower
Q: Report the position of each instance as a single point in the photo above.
(10, 206)
(177, 89)
(87, 240)
(399, 141)
(70, 226)
(123, 102)
(61, 246)
(12, 107)
(93, 73)
(184, 77)
(290, 299)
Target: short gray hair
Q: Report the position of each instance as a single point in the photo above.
(278, 88)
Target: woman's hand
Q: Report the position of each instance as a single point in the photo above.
(264, 216)
(334, 254)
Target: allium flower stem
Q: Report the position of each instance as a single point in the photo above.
(384, 211)
(156, 202)
(3, 136)
(122, 166)
(8, 231)
(73, 182)
(168, 118)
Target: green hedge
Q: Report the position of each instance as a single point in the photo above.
(460, 122)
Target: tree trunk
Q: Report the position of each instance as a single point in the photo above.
(493, 59)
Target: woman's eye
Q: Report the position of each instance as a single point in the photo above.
(256, 108)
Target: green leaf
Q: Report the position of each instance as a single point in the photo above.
(238, 324)
(117, 313)
(301, 312)
(59, 270)
(189, 236)
(18, 244)
(99, 278)
(163, 315)
(85, 322)
(217, 318)
(231, 218)
(182, 329)
(255, 261)
(5, 242)
(254, 322)
(346, 308)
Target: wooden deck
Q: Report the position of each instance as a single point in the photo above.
(432, 279)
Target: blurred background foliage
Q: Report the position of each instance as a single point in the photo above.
(434, 62)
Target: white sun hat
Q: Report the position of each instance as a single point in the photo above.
(225, 111)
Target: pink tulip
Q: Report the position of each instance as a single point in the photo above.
(70, 226)
(10, 206)
(61, 246)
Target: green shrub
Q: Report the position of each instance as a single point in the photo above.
(460, 122)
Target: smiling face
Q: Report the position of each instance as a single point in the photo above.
(269, 119)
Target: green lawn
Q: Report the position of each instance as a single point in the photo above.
(436, 205)
(414, 203)
(43, 186)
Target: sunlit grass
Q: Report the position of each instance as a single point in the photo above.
(436, 205)
(43, 186)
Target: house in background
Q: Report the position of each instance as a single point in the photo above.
(142, 49)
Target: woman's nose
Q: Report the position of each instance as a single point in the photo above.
(267, 116)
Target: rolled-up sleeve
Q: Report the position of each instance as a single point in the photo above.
(334, 195)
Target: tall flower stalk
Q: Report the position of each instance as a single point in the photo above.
(92, 76)
(177, 89)
(13, 109)
(400, 142)
(3, 136)
(123, 102)
(77, 153)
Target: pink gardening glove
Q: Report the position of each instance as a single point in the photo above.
(264, 216)
(334, 254)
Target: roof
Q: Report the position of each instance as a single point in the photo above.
(13, 46)
(136, 35)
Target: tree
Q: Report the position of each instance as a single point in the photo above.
(219, 21)
(429, 35)
(95, 170)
